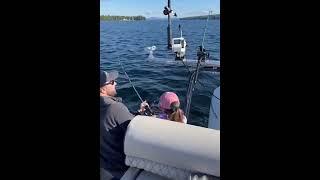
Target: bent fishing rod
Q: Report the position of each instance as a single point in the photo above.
(147, 111)
(194, 76)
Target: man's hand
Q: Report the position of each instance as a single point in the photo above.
(142, 106)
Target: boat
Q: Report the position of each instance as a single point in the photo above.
(179, 46)
(157, 149)
(170, 150)
(214, 114)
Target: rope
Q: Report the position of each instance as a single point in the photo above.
(186, 66)
(216, 97)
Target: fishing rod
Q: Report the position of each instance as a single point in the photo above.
(147, 111)
(205, 29)
(202, 54)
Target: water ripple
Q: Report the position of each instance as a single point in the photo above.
(125, 41)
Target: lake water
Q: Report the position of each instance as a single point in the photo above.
(126, 41)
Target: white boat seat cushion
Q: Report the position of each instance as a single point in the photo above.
(171, 149)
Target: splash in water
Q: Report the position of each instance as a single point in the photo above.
(150, 51)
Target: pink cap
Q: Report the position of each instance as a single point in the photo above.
(166, 99)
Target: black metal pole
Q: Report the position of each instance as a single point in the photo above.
(169, 32)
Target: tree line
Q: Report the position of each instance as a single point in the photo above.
(121, 18)
(217, 16)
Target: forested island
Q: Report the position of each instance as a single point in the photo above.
(121, 18)
(215, 16)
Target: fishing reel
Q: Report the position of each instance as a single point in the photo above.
(167, 11)
(202, 54)
(147, 111)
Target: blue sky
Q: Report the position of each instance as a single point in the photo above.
(154, 8)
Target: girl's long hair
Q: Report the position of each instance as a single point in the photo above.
(176, 113)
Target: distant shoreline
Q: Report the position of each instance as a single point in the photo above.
(211, 17)
(142, 18)
(122, 18)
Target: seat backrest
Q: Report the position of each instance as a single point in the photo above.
(172, 149)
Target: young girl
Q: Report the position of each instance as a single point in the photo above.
(169, 108)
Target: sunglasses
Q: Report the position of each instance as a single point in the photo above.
(111, 82)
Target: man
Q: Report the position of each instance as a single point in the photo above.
(114, 119)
